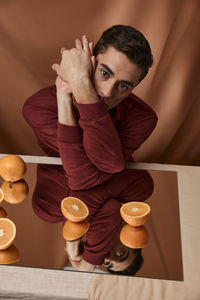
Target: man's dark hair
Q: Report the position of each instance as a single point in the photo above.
(134, 267)
(129, 41)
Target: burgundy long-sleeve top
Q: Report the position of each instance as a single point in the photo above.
(102, 143)
(91, 152)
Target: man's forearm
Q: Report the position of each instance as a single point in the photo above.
(66, 114)
(72, 249)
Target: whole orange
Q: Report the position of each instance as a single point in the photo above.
(15, 192)
(12, 167)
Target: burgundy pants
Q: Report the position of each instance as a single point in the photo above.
(52, 186)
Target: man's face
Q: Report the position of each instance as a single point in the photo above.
(119, 257)
(115, 76)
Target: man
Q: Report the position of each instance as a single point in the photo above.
(93, 122)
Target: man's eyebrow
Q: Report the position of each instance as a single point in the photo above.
(127, 83)
(112, 73)
(107, 68)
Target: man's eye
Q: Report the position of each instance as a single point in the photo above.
(104, 73)
(106, 263)
(123, 86)
(119, 253)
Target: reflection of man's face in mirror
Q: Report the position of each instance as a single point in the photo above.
(119, 257)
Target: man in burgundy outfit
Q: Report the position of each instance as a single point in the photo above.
(94, 123)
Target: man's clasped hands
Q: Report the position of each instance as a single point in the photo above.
(76, 67)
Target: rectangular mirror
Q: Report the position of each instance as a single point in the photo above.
(41, 244)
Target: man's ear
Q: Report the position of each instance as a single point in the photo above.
(93, 59)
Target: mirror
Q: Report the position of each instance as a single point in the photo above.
(42, 245)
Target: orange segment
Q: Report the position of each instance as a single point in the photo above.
(9, 255)
(12, 167)
(74, 209)
(15, 192)
(74, 230)
(135, 213)
(7, 233)
(134, 237)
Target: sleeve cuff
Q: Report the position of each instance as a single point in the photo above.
(92, 111)
(70, 134)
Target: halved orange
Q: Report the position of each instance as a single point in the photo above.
(74, 230)
(3, 213)
(134, 237)
(9, 255)
(12, 167)
(7, 233)
(74, 209)
(135, 213)
(15, 192)
(1, 195)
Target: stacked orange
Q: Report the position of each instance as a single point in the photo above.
(76, 212)
(8, 252)
(134, 234)
(14, 190)
(12, 169)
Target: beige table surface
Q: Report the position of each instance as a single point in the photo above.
(35, 283)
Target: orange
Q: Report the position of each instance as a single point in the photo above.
(1, 195)
(12, 167)
(74, 230)
(15, 192)
(135, 213)
(74, 209)
(7, 233)
(9, 255)
(3, 213)
(134, 237)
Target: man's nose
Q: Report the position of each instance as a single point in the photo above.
(107, 91)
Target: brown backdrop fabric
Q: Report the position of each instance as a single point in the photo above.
(32, 33)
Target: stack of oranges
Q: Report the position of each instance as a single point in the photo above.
(76, 212)
(134, 234)
(14, 189)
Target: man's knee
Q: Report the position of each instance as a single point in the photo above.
(50, 213)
